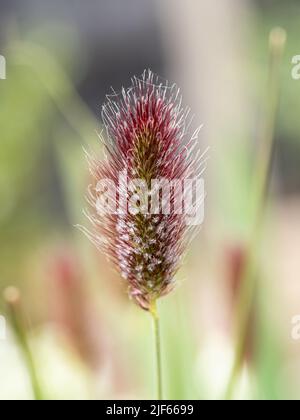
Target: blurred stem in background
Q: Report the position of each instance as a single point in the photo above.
(12, 299)
(262, 180)
(57, 84)
(156, 327)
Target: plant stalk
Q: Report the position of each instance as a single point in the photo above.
(12, 299)
(263, 176)
(157, 345)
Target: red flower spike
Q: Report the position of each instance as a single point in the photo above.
(146, 129)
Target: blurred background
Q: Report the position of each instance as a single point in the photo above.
(87, 339)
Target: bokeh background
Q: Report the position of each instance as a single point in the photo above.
(88, 340)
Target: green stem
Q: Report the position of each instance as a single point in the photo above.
(263, 175)
(12, 298)
(35, 384)
(158, 358)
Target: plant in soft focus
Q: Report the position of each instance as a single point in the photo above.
(263, 172)
(140, 198)
(16, 316)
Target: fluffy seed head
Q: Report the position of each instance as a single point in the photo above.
(146, 129)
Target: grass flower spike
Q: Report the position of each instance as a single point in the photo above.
(148, 156)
